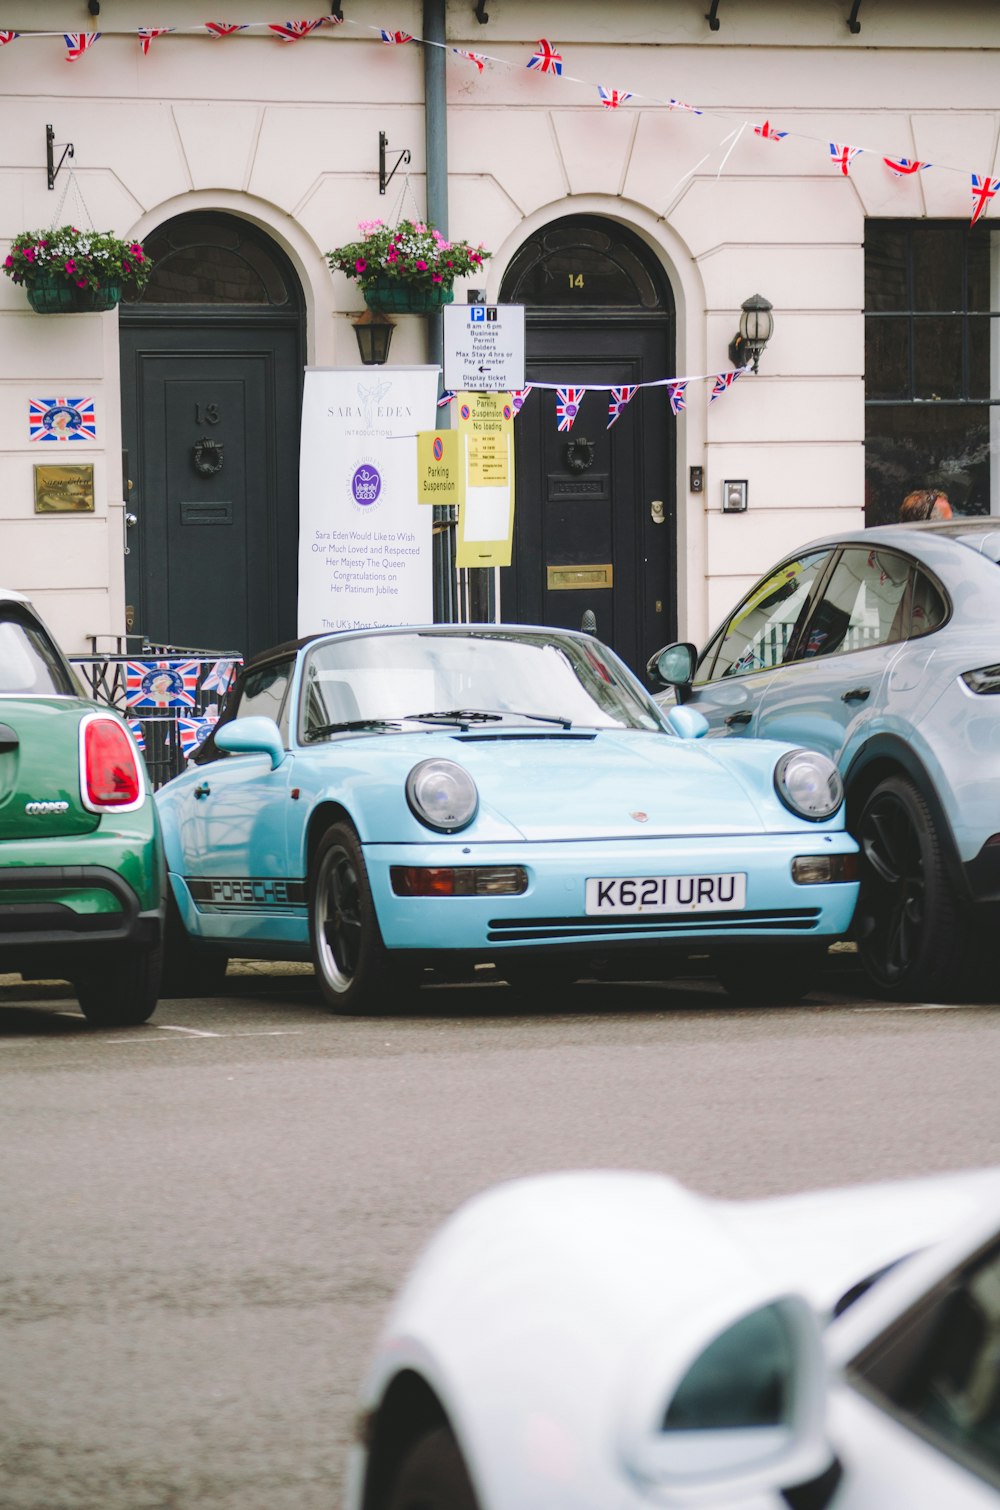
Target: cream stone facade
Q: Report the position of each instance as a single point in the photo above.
(286, 137)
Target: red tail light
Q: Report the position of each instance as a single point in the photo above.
(110, 767)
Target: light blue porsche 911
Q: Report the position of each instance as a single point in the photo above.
(389, 802)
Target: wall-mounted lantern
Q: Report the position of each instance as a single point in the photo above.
(374, 332)
(756, 329)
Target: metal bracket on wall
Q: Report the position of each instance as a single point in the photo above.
(853, 24)
(335, 10)
(383, 148)
(482, 14)
(51, 164)
(712, 16)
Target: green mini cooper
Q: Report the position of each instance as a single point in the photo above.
(81, 861)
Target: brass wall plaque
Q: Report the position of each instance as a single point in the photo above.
(566, 578)
(64, 490)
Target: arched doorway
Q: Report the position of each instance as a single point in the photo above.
(212, 356)
(595, 512)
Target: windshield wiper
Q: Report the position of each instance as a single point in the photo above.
(544, 718)
(348, 724)
(455, 716)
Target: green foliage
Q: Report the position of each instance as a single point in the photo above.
(81, 259)
(410, 254)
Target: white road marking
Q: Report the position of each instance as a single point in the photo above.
(169, 1027)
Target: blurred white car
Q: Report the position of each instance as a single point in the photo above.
(613, 1341)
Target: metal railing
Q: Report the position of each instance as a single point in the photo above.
(170, 694)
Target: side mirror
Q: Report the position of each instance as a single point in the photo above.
(252, 736)
(673, 666)
(743, 1414)
(687, 723)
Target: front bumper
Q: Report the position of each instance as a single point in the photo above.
(551, 913)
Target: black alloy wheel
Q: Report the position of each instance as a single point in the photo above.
(432, 1476)
(351, 962)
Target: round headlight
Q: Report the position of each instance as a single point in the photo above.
(442, 794)
(809, 784)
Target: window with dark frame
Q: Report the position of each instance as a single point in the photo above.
(932, 365)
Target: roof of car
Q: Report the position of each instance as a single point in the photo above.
(292, 647)
(980, 534)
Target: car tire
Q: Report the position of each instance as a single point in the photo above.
(120, 991)
(911, 940)
(352, 964)
(188, 969)
(779, 982)
(432, 1476)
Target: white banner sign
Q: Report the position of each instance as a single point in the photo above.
(365, 554)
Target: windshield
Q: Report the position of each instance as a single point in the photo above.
(29, 662)
(482, 680)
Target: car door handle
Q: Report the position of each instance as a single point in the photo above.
(856, 695)
(740, 718)
(202, 790)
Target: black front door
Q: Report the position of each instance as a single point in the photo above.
(595, 527)
(211, 400)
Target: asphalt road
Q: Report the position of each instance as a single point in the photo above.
(203, 1219)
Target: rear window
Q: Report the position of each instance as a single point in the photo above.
(29, 661)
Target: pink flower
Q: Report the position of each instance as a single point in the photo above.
(392, 255)
(475, 257)
(437, 278)
(28, 253)
(9, 262)
(421, 265)
(70, 265)
(137, 252)
(81, 283)
(360, 265)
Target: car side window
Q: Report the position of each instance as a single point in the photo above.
(29, 662)
(264, 693)
(761, 632)
(936, 1367)
(864, 604)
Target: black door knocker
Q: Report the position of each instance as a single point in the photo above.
(579, 454)
(207, 457)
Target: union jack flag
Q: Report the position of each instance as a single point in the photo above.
(291, 31)
(767, 131)
(61, 419)
(619, 398)
(161, 684)
(983, 190)
(612, 98)
(136, 731)
(545, 59)
(843, 156)
(517, 398)
(220, 676)
(224, 28)
(192, 732)
(474, 57)
(724, 382)
(680, 105)
(446, 398)
(77, 43)
(8, 36)
(395, 36)
(902, 166)
(676, 395)
(568, 402)
(147, 33)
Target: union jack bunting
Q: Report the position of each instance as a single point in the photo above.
(517, 398)
(619, 398)
(395, 36)
(161, 684)
(135, 729)
(902, 166)
(291, 31)
(612, 98)
(568, 402)
(147, 34)
(474, 57)
(983, 190)
(843, 156)
(223, 28)
(676, 395)
(446, 398)
(724, 382)
(192, 732)
(545, 59)
(680, 105)
(59, 419)
(767, 131)
(77, 43)
(8, 36)
(220, 676)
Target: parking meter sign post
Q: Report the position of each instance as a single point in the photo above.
(483, 347)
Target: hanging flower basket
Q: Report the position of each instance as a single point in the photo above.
(50, 295)
(409, 268)
(68, 271)
(389, 297)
